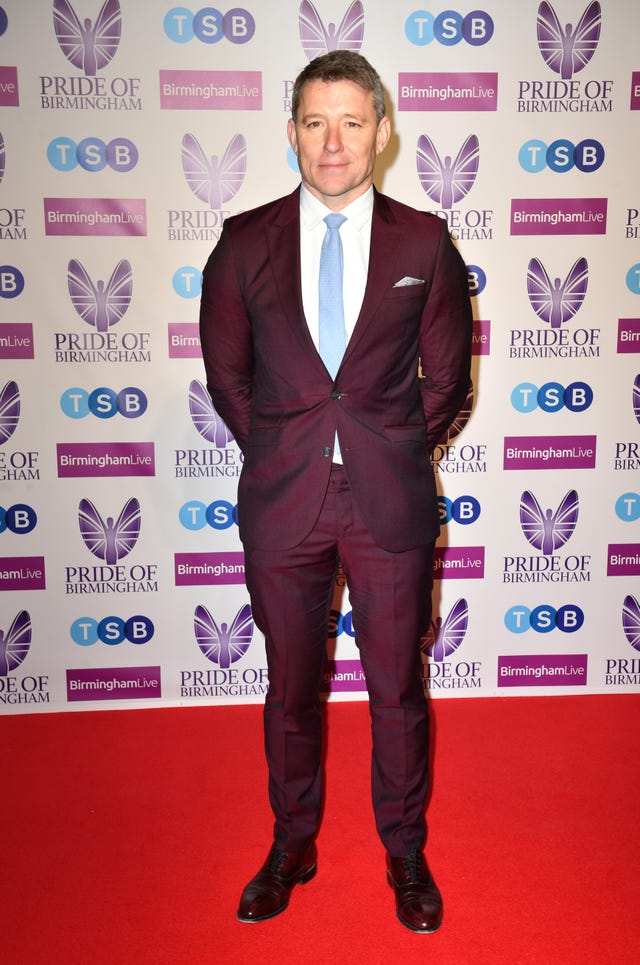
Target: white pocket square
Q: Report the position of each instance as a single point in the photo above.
(408, 280)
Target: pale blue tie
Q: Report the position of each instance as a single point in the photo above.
(332, 338)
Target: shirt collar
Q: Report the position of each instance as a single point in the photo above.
(312, 211)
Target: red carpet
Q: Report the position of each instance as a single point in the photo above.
(128, 836)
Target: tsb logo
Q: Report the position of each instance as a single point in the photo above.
(209, 25)
(561, 156)
(11, 281)
(552, 397)
(543, 619)
(85, 631)
(92, 154)
(219, 515)
(463, 510)
(449, 28)
(103, 403)
(18, 519)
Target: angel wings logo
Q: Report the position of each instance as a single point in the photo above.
(212, 179)
(100, 305)
(636, 397)
(446, 635)
(460, 420)
(547, 530)
(223, 644)
(318, 39)
(88, 45)
(110, 539)
(205, 418)
(2, 158)
(567, 50)
(447, 181)
(558, 301)
(15, 643)
(9, 410)
(631, 621)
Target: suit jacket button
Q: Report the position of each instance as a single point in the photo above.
(327, 450)
(335, 395)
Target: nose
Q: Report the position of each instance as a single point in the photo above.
(333, 140)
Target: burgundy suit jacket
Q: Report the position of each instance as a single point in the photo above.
(267, 380)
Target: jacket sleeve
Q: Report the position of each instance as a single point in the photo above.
(445, 341)
(225, 338)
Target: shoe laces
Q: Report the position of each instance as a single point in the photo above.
(276, 860)
(413, 865)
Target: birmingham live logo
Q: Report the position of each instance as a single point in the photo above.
(442, 641)
(101, 303)
(625, 671)
(214, 179)
(223, 645)
(16, 465)
(547, 530)
(110, 539)
(566, 49)
(222, 458)
(447, 181)
(89, 46)
(555, 300)
(15, 642)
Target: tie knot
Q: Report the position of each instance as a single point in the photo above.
(334, 220)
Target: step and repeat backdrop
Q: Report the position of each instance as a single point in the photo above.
(128, 133)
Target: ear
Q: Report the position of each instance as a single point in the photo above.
(291, 134)
(383, 135)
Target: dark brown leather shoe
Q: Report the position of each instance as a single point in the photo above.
(418, 901)
(267, 894)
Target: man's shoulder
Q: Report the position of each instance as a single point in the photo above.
(274, 210)
(407, 215)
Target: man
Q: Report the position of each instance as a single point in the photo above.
(336, 458)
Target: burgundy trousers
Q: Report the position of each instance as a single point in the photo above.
(291, 594)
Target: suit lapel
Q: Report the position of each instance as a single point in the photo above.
(383, 254)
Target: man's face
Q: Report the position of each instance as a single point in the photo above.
(337, 139)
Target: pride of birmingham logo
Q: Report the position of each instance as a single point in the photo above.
(636, 397)
(100, 305)
(446, 181)
(212, 180)
(108, 539)
(445, 636)
(631, 621)
(556, 302)
(546, 530)
(9, 410)
(316, 39)
(14, 645)
(223, 644)
(88, 46)
(567, 51)
(205, 418)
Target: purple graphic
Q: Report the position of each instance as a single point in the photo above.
(109, 217)
(221, 644)
(113, 683)
(9, 410)
(22, 573)
(9, 94)
(628, 336)
(16, 342)
(447, 181)
(108, 540)
(568, 51)
(631, 621)
(105, 459)
(559, 216)
(2, 158)
(317, 39)
(89, 47)
(446, 635)
(343, 676)
(447, 91)
(543, 670)
(548, 531)
(623, 559)
(100, 305)
(207, 569)
(14, 646)
(460, 420)
(636, 397)
(205, 418)
(212, 181)
(556, 302)
(458, 563)
(549, 452)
